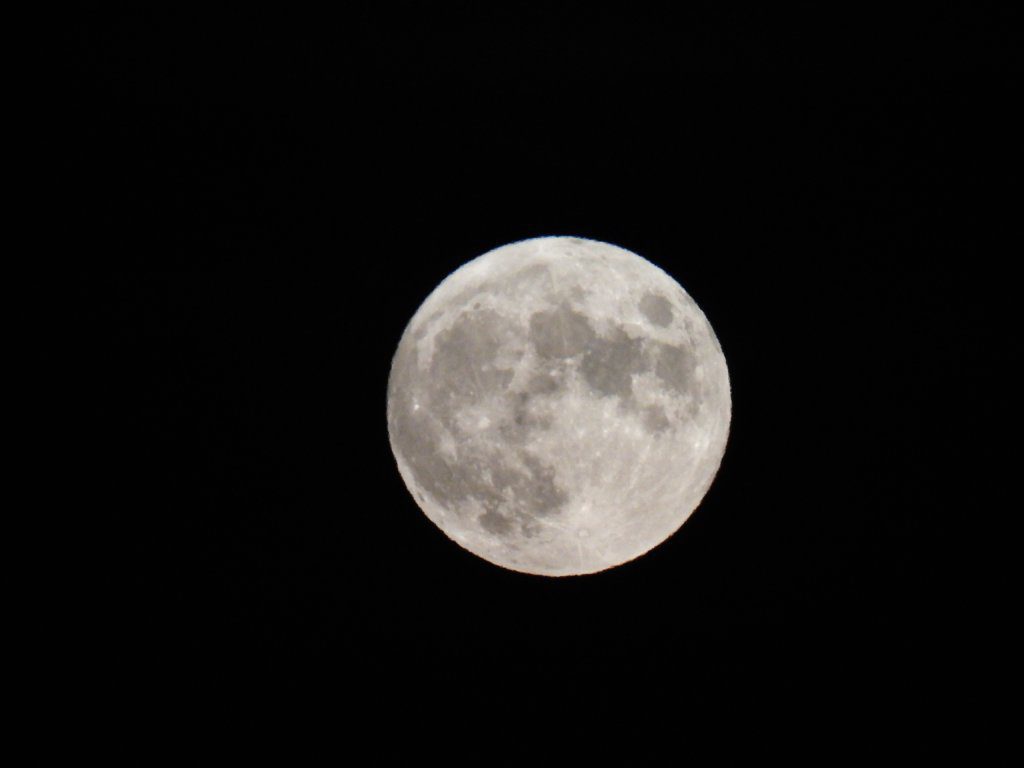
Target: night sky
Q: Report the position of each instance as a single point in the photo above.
(271, 199)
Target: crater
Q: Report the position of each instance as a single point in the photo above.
(657, 309)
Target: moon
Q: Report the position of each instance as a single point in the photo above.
(558, 406)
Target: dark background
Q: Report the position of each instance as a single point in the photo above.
(268, 200)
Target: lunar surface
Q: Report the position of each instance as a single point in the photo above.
(558, 406)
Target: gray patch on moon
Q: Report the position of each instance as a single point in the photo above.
(511, 495)
(494, 523)
(543, 495)
(657, 309)
(510, 488)
(530, 407)
(422, 438)
(464, 366)
(655, 419)
(609, 363)
(560, 333)
(504, 491)
(545, 384)
(675, 366)
(528, 416)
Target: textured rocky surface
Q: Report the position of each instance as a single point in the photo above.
(558, 406)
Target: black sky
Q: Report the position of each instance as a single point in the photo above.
(269, 200)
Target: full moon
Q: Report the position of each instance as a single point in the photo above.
(558, 406)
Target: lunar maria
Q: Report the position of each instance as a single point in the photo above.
(558, 406)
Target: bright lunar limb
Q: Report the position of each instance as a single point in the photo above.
(558, 406)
